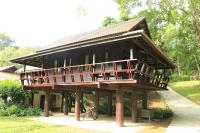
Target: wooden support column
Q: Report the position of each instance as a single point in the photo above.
(109, 103)
(144, 100)
(93, 59)
(96, 102)
(42, 65)
(70, 61)
(131, 53)
(66, 103)
(62, 102)
(24, 66)
(32, 98)
(77, 105)
(134, 111)
(93, 62)
(120, 107)
(82, 106)
(46, 104)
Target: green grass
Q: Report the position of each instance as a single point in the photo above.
(24, 125)
(189, 89)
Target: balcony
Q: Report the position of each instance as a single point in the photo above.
(121, 72)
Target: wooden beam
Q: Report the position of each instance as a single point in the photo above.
(144, 100)
(62, 102)
(66, 103)
(46, 104)
(120, 107)
(24, 66)
(110, 103)
(77, 105)
(93, 58)
(134, 112)
(96, 102)
(131, 53)
(82, 106)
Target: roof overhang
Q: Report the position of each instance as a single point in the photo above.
(36, 59)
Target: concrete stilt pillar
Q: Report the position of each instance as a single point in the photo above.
(120, 107)
(134, 111)
(66, 103)
(77, 105)
(46, 104)
(110, 104)
(144, 100)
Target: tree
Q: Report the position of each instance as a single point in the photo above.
(5, 41)
(108, 21)
(12, 52)
(125, 7)
(194, 6)
(175, 28)
(12, 89)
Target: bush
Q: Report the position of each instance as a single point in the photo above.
(19, 110)
(12, 89)
(160, 113)
(33, 111)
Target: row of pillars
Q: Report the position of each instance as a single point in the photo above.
(119, 105)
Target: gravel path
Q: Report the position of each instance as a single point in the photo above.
(187, 113)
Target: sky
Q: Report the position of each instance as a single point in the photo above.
(38, 23)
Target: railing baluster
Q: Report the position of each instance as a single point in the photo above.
(130, 69)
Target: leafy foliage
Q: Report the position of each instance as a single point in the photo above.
(109, 21)
(19, 110)
(12, 89)
(5, 41)
(12, 52)
(175, 28)
(160, 113)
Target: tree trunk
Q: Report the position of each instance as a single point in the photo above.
(197, 65)
(178, 67)
(195, 19)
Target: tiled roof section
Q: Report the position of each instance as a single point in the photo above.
(8, 68)
(102, 32)
(28, 68)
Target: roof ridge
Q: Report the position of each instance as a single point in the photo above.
(97, 33)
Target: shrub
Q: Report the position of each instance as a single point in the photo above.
(19, 110)
(160, 113)
(12, 89)
(33, 111)
(3, 107)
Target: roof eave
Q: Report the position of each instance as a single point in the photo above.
(80, 45)
(164, 56)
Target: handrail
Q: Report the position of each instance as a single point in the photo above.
(128, 69)
(74, 66)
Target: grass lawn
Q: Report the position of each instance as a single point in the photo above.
(189, 89)
(24, 125)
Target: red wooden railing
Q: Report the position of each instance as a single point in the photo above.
(104, 71)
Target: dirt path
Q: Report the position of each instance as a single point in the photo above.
(186, 113)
